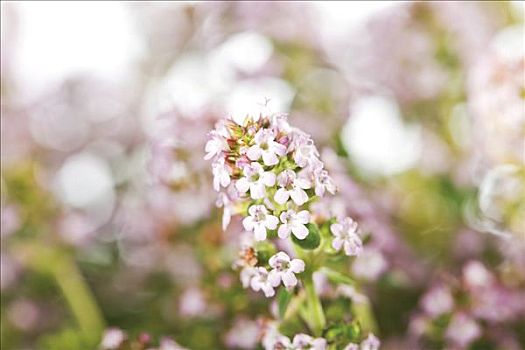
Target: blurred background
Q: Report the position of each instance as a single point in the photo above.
(108, 217)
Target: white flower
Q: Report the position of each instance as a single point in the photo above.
(259, 220)
(221, 175)
(261, 281)
(112, 339)
(255, 179)
(267, 147)
(351, 346)
(305, 342)
(305, 152)
(370, 343)
(346, 236)
(295, 223)
(284, 269)
(215, 145)
(291, 186)
(323, 183)
(247, 273)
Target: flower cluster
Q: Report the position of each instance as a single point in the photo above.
(270, 173)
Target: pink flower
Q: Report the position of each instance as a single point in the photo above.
(255, 179)
(291, 186)
(284, 269)
(323, 183)
(463, 330)
(266, 147)
(295, 223)
(346, 237)
(259, 220)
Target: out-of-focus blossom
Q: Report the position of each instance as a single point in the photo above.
(346, 237)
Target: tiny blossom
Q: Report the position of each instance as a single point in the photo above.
(113, 339)
(214, 146)
(437, 301)
(266, 147)
(295, 223)
(370, 343)
(259, 220)
(346, 237)
(306, 155)
(323, 183)
(221, 175)
(291, 186)
(463, 330)
(305, 342)
(261, 281)
(284, 269)
(255, 179)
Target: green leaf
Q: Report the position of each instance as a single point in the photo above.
(311, 241)
(284, 297)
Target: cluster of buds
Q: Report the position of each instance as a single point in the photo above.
(270, 173)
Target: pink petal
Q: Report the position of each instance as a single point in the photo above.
(299, 196)
(271, 222)
(284, 231)
(337, 243)
(254, 152)
(281, 196)
(297, 265)
(289, 279)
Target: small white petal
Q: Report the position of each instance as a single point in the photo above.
(268, 178)
(284, 231)
(257, 190)
(260, 232)
(297, 265)
(274, 278)
(248, 222)
(337, 243)
(242, 185)
(271, 222)
(289, 279)
(281, 196)
(270, 158)
(254, 152)
(300, 231)
(303, 217)
(299, 196)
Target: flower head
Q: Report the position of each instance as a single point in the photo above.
(295, 223)
(284, 269)
(259, 220)
(346, 237)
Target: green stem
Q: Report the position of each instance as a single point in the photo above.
(316, 319)
(69, 279)
(79, 297)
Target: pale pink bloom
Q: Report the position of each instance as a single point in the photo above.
(291, 186)
(259, 220)
(215, 145)
(266, 147)
(295, 223)
(112, 339)
(247, 273)
(476, 275)
(463, 330)
(221, 175)
(437, 301)
(255, 179)
(284, 269)
(261, 281)
(323, 183)
(169, 344)
(243, 335)
(192, 302)
(351, 346)
(370, 343)
(346, 237)
(370, 264)
(305, 342)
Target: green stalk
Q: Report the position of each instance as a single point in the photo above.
(316, 319)
(79, 298)
(70, 281)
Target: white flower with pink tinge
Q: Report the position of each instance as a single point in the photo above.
(303, 341)
(291, 186)
(295, 223)
(215, 145)
(323, 183)
(284, 269)
(255, 179)
(221, 175)
(259, 220)
(346, 237)
(261, 281)
(266, 147)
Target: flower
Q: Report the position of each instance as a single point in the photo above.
(221, 175)
(462, 330)
(284, 269)
(266, 147)
(113, 338)
(255, 179)
(323, 183)
(261, 281)
(291, 186)
(215, 145)
(259, 220)
(370, 343)
(295, 223)
(305, 342)
(346, 236)
(437, 301)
